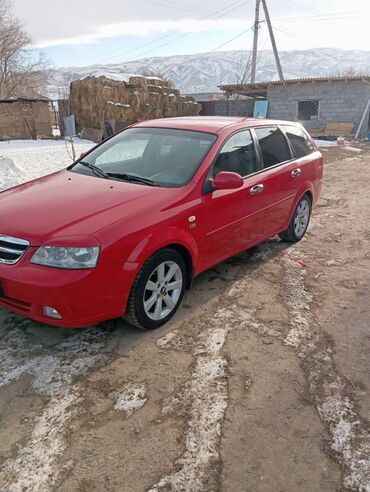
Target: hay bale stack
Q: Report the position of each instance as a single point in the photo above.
(124, 100)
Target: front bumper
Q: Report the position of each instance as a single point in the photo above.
(82, 297)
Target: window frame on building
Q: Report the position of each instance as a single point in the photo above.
(302, 118)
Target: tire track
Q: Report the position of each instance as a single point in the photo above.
(329, 390)
(36, 464)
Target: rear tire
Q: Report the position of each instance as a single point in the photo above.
(157, 291)
(300, 220)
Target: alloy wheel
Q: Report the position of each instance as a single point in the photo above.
(302, 217)
(163, 290)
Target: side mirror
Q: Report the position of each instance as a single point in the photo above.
(226, 180)
(83, 155)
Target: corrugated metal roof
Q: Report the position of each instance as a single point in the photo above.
(265, 85)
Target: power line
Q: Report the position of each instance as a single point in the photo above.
(221, 45)
(217, 15)
(176, 7)
(329, 16)
(229, 41)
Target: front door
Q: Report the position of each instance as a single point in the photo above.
(225, 212)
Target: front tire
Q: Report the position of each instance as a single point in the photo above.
(300, 220)
(157, 291)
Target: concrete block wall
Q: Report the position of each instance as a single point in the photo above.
(339, 101)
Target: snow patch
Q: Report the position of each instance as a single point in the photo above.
(165, 342)
(11, 174)
(131, 398)
(119, 77)
(53, 371)
(23, 160)
(119, 104)
(325, 143)
(350, 439)
(352, 149)
(34, 467)
(298, 301)
(206, 394)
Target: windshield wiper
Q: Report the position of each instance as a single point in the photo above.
(96, 170)
(132, 178)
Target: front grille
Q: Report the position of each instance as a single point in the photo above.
(12, 249)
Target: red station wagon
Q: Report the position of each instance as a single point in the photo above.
(125, 229)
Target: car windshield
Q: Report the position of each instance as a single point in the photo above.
(153, 156)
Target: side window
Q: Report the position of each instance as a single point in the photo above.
(238, 155)
(274, 147)
(300, 142)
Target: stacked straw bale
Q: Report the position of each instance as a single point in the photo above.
(96, 99)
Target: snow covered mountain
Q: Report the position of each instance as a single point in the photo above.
(203, 72)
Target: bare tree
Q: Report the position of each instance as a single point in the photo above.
(22, 71)
(65, 86)
(351, 71)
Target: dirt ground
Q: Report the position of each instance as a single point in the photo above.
(260, 383)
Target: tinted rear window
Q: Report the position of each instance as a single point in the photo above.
(274, 146)
(300, 142)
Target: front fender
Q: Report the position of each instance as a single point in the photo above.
(155, 241)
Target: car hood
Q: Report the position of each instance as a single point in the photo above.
(68, 204)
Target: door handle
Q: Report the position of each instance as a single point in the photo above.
(296, 172)
(256, 189)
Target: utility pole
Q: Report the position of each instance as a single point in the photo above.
(255, 41)
(273, 42)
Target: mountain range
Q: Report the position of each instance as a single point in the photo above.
(204, 72)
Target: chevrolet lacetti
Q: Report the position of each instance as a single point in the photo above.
(125, 229)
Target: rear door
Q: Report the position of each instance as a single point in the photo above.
(309, 162)
(281, 178)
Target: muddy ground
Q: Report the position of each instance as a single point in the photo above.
(260, 383)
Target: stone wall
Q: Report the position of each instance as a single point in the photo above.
(24, 119)
(96, 99)
(340, 101)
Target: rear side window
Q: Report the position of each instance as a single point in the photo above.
(300, 142)
(238, 155)
(274, 146)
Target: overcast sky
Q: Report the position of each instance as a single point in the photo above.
(83, 32)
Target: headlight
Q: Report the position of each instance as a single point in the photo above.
(70, 258)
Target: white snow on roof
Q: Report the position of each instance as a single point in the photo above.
(119, 104)
(120, 77)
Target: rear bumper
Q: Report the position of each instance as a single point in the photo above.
(82, 297)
